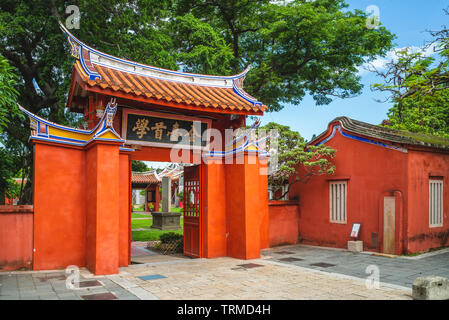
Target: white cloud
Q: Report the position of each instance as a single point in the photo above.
(380, 63)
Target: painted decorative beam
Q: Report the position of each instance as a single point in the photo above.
(44, 130)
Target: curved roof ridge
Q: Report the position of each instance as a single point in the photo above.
(386, 134)
(75, 52)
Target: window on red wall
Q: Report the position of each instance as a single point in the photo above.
(337, 201)
(435, 203)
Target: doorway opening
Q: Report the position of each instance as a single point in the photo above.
(158, 219)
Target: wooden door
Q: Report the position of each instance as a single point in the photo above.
(389, 225)
(192, 211)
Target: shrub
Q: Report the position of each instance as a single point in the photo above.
(170, 236)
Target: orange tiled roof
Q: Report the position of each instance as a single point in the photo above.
(191, 94)
(98, 69)
(144, 178)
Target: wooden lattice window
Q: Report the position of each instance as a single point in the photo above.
(337, 201)
(435, 203)
(191, 198)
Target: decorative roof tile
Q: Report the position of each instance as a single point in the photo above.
(98, 69)
(386, 134)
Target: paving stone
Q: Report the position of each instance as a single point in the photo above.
(9, 297)
(29, 297)
(250, 265)
(89, 283)
(48, 297)
(152, 277)
(291, 259)
(100, 296)
(68, 296)
(392, 270)
(323, 265)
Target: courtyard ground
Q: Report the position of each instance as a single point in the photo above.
(290, 272)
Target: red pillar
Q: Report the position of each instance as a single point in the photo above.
(103, 219)
(214, 209)
(263, 203)
(246, 208)
(156, 205)
(125, 209)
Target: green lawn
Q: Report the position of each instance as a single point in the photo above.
(139, 215)
(141, 223)
(150, 234)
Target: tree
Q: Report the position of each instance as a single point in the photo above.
(139, 166)
(296, 48)
(8, 96)
(418, 86)
(427, 114)
(296, 160)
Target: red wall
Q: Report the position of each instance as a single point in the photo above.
(246, 207)
(283, 222)
(59, 207)
(370, 171)
(82, 210)
(16, 237)
(423, 165)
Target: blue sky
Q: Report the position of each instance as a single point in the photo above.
(408, 20)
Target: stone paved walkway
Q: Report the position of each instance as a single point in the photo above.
(52, 286)
(395, 270)
(221, 278)
(292, 272)
(227, 278)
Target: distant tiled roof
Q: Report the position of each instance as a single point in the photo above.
(388, 134)
(173, 171)
(144, 178)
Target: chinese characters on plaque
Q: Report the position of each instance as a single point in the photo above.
(148, 128)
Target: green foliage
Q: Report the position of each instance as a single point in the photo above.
(200, 48)
(173, 238)
(428, 114)
(8, 95)
(170, 236)
(418, 86)
(181, 195)
(8, 110)
(139, 166)
(7, 184)
(296, 161)
(297, 48)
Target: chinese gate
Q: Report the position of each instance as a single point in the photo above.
(82, 177)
